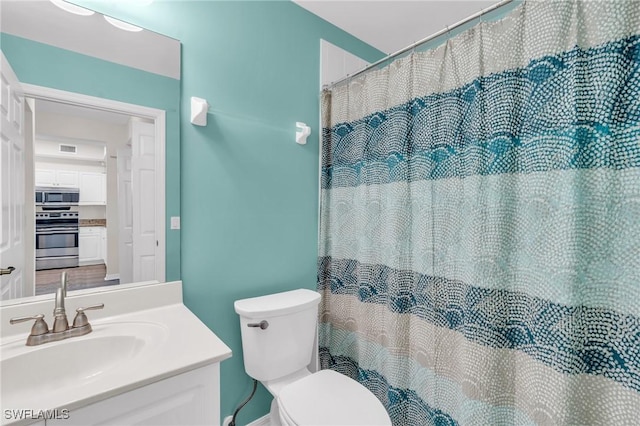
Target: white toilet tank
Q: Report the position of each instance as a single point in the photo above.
(286, 344)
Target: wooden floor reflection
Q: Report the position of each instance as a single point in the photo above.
(81, 277)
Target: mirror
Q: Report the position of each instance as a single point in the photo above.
(101, 104)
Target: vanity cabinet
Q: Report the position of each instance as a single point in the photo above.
(92, 245)
(191, 398)
(57, 178)
(93, 188)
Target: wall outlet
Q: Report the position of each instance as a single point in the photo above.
(175, 222)
(227, 420)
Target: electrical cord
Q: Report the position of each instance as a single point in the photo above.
(235, 413)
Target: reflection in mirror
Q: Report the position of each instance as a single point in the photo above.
(82, 165)
(89, 192)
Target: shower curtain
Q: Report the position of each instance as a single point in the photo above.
(479, 255)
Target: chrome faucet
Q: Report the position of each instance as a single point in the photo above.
(40, 332)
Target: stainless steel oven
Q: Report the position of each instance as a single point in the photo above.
(56, 239)
(53, 196)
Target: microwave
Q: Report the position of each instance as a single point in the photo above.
(46, 196)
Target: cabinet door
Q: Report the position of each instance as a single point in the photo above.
(45, 177)
(21, 414)
(67, 178)
(191, 398)
(93, 188)
(61, 178)
(89, 244)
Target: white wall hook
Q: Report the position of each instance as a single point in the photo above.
(302, 132)
(199, 108)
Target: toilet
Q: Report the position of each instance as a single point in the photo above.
(278, 336)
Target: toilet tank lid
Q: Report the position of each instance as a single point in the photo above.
(277, 304)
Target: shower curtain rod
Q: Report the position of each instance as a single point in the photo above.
(424, 40)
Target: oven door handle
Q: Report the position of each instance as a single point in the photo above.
(60, 231)
(56, 257)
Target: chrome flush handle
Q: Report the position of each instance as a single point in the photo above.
(262, 325)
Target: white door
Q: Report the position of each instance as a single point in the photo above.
(125, 217)
(12, 196)
(143, 179)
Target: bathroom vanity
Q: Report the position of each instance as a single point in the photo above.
(148, 360)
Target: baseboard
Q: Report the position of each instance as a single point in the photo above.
(110, 277)
(260, 421)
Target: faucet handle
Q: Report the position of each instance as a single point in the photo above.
(81, 319)
(39, 327)
(90, 308)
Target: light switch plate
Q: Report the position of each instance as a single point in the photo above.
(175, 222)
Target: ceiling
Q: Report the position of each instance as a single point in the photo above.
(81, 111)
(390, 25)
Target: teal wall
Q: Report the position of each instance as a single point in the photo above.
(249, 192)
(44, 65)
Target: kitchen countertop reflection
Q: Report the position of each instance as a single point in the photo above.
(92, 222)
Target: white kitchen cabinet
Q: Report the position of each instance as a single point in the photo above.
(45, 177)
(56, 178)
(91, 245)
(93, 188)
(67, 178)
(191, 398)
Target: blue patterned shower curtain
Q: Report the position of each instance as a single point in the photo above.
(479, 255)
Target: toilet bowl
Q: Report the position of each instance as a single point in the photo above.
(278, 334)
(330, 398)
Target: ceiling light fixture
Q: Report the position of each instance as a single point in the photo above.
(121, 24)
(72, 8)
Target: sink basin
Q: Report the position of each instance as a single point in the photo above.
(77, 361)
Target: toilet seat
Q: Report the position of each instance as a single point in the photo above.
(330, 398)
